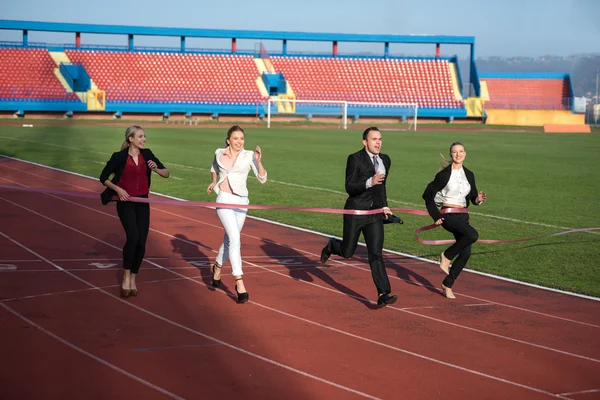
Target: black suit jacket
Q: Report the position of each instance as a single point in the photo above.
(439, 182)
(359, 168)
(116, 165)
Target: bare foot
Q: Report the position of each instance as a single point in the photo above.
(132, 284)
(125, 291)
(445, 264)
(126, 280)
(448, 292)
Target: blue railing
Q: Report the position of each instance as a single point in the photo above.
(328, 54)
(247, 52)
(122, 48)
(135, 94)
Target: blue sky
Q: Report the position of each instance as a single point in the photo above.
(501, 28)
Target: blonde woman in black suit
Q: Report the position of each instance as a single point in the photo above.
(132, 168)
(454, 187)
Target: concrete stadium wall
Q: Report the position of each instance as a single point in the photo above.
(533, 117)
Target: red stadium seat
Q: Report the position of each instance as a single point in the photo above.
(28, 74)
(166, 77)
(541, 94)
(208, 78)
(369, 80)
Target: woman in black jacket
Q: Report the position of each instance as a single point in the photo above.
(454, 188)
(132, 168)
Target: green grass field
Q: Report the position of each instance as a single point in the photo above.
(536, 183)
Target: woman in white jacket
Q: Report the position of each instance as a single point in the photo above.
(229, 171)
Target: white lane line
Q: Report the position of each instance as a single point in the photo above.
(186, 328)
(319, 233)
(582, 392)
(362, 299)
(419, 206)
(274, 310)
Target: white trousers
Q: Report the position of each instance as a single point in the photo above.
(232, 220)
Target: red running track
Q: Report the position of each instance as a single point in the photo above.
(308, 332)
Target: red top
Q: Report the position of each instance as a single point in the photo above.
(135, 178)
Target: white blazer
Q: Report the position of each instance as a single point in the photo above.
(238, 174)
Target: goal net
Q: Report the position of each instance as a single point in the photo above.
(342, 110)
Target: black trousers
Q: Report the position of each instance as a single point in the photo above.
(371, 227)
(465, 235)
(135, 218)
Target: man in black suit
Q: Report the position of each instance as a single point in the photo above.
(366, 172)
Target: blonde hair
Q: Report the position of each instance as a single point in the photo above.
(443, 161)
(130, 132)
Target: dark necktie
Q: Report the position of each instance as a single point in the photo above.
(376, 164)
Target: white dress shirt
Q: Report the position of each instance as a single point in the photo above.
(237, 175)
(456, 190)
(380, 169)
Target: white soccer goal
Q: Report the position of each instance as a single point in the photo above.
(342, 109)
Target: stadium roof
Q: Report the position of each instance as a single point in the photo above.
(225, 33)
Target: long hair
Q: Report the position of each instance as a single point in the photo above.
(234, 128)
(443, 161)
(129, 133)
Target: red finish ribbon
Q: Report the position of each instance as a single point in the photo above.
(211, 204)
(307, 209)
(485, 241)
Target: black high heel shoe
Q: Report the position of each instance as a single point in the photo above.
(215, 282)
(242, 297)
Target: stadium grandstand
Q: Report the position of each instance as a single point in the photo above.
(75, 78)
